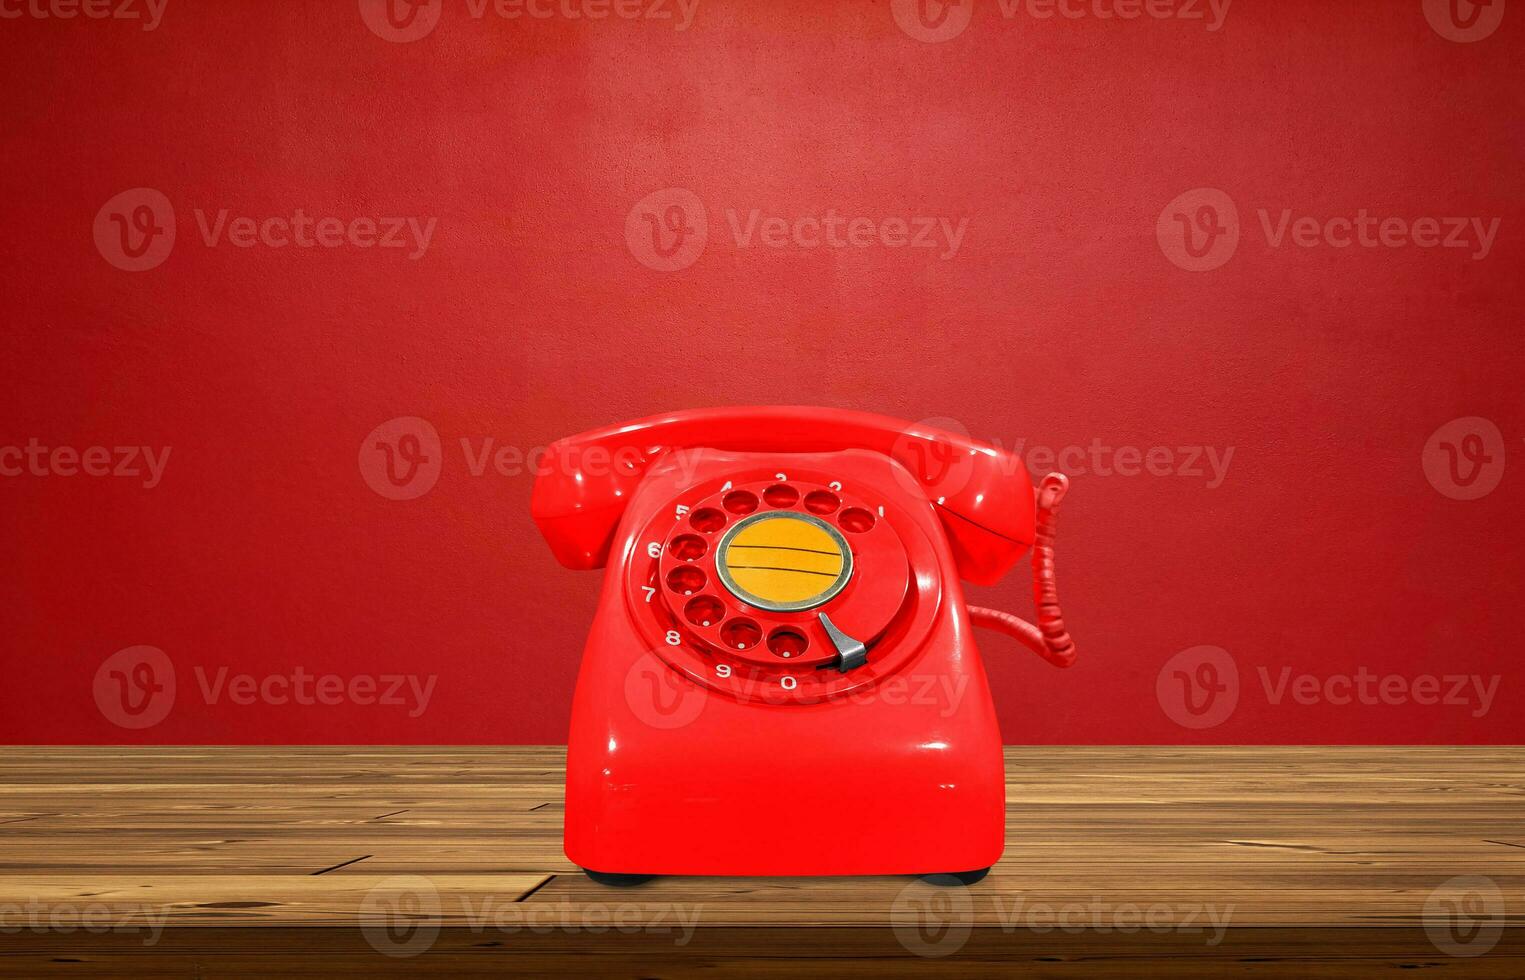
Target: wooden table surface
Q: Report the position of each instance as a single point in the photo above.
(1315, 861)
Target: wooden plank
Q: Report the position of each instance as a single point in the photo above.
(759, 953)
(140, 903)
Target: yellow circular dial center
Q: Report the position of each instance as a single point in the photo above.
(783, 561)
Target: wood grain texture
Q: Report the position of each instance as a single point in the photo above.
(1318, 861)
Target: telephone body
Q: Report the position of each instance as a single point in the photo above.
(780, 678)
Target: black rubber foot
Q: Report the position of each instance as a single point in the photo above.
(956, 877)
(617, 880)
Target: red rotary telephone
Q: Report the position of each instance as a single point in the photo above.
(780, 678)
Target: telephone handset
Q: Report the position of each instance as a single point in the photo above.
(982, 493)
(782, 648)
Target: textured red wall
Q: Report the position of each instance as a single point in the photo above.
(1337, 543)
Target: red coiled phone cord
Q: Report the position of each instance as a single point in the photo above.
(1049, 639)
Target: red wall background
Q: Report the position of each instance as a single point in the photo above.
(1337, 544)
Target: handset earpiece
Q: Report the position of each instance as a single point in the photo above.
(580, 495)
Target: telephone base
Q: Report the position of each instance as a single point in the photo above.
(691, 757)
